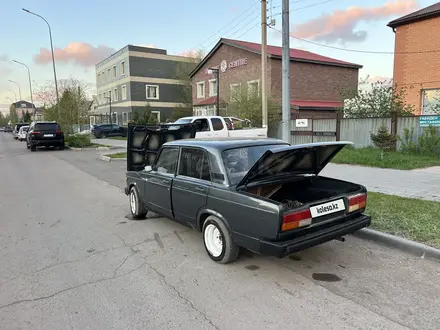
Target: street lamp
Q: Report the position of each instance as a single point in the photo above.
(217, 74)
(19, 89)
(30, 85)
(109, 98)
(53, 58)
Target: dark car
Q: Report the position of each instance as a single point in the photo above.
(8, 129)
(260, 194)
(45, 134)
(104, 130)
(17, 128)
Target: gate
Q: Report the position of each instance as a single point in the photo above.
(309, 130)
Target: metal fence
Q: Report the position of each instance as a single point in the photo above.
(357, 131)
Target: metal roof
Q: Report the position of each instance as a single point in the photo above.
(419, 15)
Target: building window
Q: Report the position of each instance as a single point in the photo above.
(110, 96)
(157, 114)
(213, 87)
(109, 77)
(234, 90)
(124, 117)
(254, 88)
(122, 68)
(115, 94)
(200, 90)
(152, 92)
(98, 80)
(430, 101)
(103, 76)
(114, 71)
(124, 92)
(105, 97)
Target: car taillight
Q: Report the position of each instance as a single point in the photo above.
(357, 202)
(296, 220)
(59, 132)
(35, 132)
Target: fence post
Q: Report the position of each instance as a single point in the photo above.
(394, 127)
(338, 126)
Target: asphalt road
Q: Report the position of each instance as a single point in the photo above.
(70, 259)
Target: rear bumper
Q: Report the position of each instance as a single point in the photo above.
(51, 142)
(284, 248)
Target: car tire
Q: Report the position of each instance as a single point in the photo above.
(103, 135)
(137, 207)
(218, 241)
(33, 148)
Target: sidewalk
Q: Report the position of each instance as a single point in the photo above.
(111, 142)
(423, 184)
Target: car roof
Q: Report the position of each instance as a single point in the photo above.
(224, 143)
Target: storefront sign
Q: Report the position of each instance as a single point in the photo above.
(301, 123)
(225, 65)
(425, 121)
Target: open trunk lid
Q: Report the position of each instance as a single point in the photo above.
(308, 158)
(144, 141)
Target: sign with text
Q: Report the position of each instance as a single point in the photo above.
(301, 123)
(425, 121)
(224, 65)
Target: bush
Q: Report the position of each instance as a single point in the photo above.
(383, 140)
(407, 142)
(429, 142)
(78, 140)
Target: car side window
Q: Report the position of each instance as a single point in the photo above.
(167, 161)
(194, 164)
(202, 125)
(217, 124)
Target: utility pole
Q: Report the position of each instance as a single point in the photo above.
(264, 62)
(286, 117)
(217, 98)
(109, 98)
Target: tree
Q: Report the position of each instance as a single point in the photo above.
(377, 99)
(247, 104)
(185, 96)
(145, 117)
(383, 140)
(27, 117)
(73, 104)
(13, 114)
(4, 119)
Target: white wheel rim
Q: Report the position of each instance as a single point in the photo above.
(213, 240)
(133, 202)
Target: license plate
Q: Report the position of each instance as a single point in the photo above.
(48, 135)
(327, 208)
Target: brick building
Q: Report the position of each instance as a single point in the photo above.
(417, 57)
(316, 81)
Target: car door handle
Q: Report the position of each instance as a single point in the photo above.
(200, 189)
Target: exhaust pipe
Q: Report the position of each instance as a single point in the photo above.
(342, 239)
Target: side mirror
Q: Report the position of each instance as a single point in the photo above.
(148, 168)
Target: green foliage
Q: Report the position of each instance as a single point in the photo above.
(407, 143)
(377, 99)
(383, 140)
(78, 140)
(246, 104)
(4, 119)
(13, 114)
(429, 142)
(27, 117)
(145, 117)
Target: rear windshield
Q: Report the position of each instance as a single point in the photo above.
(239, 161)
(47, 127)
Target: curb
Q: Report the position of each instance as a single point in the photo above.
(414, 248)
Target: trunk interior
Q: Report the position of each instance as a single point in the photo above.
(304, 190)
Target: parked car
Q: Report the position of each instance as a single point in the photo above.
(216, 127)
(45, 134)
(8, 129)
(17, 128)
(104, 130)
(260, 194)
(22, 133)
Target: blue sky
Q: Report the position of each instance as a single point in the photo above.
(179, 26)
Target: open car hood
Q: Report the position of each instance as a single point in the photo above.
(144, 142)
(308, 158)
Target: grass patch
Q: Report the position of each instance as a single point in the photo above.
(411, 218)
(118, 155)
(78, 140)
(397, 160)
